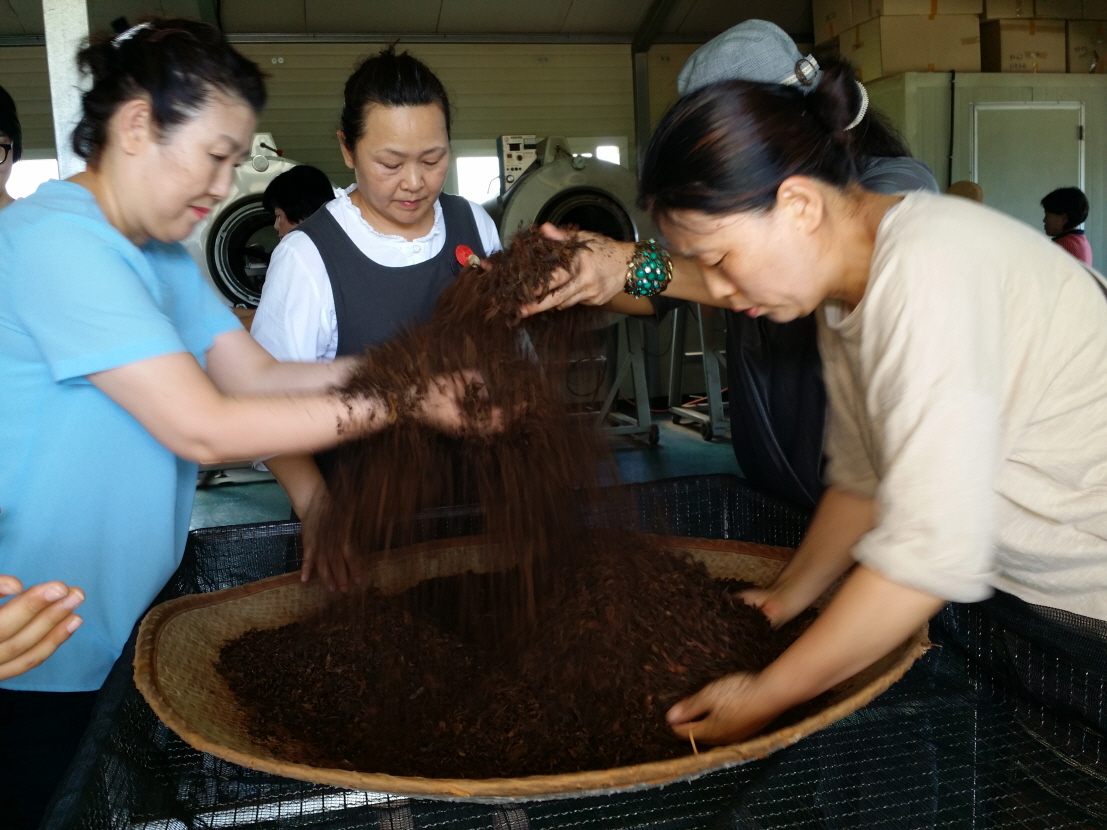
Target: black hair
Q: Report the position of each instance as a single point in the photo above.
(299, 192)
(728, 146)
(176, 64)
(389, 80)
(9, 124)
(1070, 201)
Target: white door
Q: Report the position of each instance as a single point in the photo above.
(1023, 150)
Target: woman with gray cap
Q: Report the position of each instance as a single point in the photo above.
(777, 396)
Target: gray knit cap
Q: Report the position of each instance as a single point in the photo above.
(755, 50)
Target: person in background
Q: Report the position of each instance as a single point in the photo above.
(967, 190)
(11, 144)
(777, 398)
(120, 369)
(375, 260)
(1066, 209)
(295, 195)
(291, 197)
(963, 356)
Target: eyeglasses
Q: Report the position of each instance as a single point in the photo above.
(5, 151)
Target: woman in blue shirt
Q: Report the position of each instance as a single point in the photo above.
(121, 370)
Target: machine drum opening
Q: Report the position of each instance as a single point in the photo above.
(239, 252)
(589, 210)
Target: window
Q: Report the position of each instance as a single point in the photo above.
(28, 174)
(608, 152)
(478, 177)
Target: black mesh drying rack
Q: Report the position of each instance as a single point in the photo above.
(1002, 725)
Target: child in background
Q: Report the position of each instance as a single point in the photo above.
(1066, 209)
(291, 197)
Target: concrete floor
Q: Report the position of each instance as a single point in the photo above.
(244, 496)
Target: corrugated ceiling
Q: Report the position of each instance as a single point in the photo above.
(689, 19)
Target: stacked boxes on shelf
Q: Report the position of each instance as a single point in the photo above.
(832, 17)
(886, 37)
(1033, 45)
(1087, 46)
(1087, 49)
(1025, 35)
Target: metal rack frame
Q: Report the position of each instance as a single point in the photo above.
(641, 424)
(714, 421)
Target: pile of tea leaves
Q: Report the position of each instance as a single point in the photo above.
(392, 685)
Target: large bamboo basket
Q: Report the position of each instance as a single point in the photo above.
(179, 643)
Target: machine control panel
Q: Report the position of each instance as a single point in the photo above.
(517, 153)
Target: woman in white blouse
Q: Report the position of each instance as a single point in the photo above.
(376, 258)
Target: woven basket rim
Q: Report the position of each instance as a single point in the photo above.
(502, 789)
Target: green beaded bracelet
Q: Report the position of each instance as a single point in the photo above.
(649, 271)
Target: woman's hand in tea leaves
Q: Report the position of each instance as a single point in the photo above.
(869, 617)
(456, 404)
(726, 710)
(336, 565)
(777, 602)
(598, 272)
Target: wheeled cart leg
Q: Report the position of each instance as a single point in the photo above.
(713, 421)
(633, 364)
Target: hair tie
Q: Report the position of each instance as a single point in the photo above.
(119, 39)
(805, 74)
(864, 107)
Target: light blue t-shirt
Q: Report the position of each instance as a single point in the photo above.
(87, 495)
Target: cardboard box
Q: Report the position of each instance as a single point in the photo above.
(832, 17)
(1095, 10)
(868, 9)
(1087, 47)
(1059, 9)
(892, 44)
(1022, 46)
(1008, 9)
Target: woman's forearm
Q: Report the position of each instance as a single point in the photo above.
(299, 377)
(598, 277)
(299, 476)
(176, 402)
(626, 304)
(242, 428)
(869, 617)
(238, 365)
(688, 283)
(840, 520)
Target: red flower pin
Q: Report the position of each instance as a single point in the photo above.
(466, 256)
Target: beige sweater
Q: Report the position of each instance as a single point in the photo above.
(968, 394)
